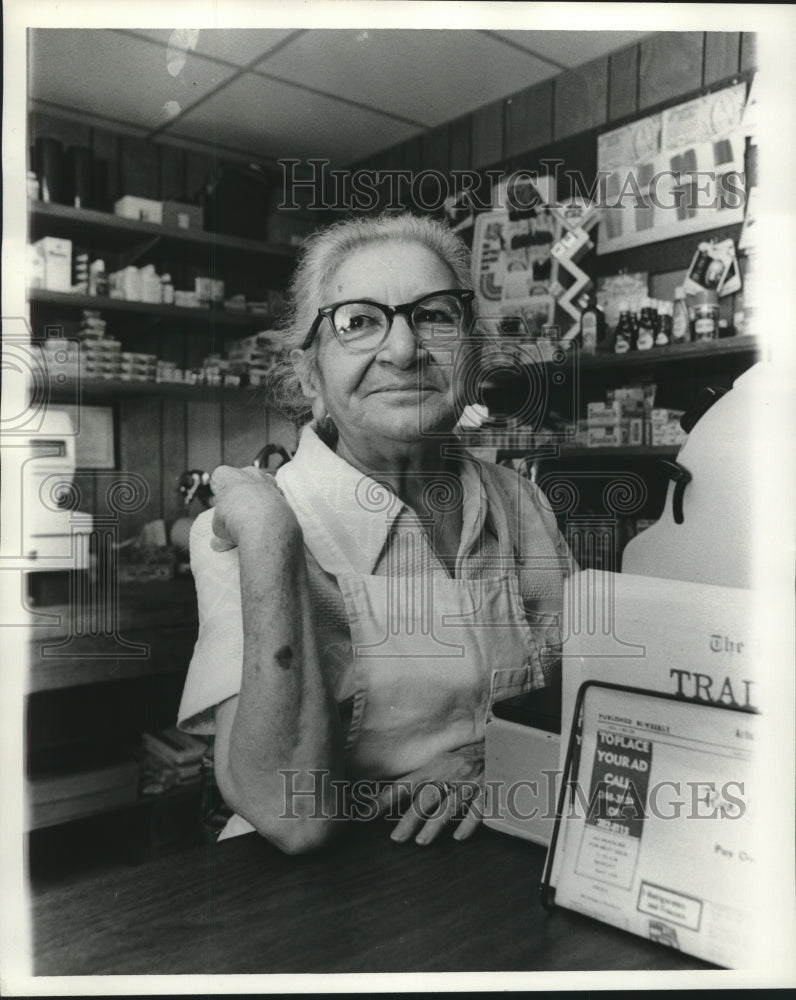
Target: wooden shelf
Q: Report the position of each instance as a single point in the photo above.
(63, 220)
(80, 794)
(78, 391)
(161, 616)
(698, 351)
(570, 454)
(194, 317)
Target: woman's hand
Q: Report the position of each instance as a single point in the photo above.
(449, 788)
(246, 499)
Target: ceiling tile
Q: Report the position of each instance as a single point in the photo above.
(572, 48)
(239, 46)
(426, 76)
(111, 74)
(275, 120)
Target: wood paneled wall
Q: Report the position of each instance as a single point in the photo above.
(606, 91)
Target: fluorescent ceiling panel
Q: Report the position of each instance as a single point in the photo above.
(276, 120)
(239, 45)
(425, 76)
(108, 74)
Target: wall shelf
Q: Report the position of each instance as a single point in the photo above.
(572, 453)
(697, 351)
(225, 318)
(87, 390)
(47, 218)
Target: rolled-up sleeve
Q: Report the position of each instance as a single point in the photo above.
(216, 665)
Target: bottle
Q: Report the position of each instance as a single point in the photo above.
(624, 335)
(664, 332)
(706, 315)
(592, 326)
(97, 279)
(646, 327)
(681, 321)
(167, 289)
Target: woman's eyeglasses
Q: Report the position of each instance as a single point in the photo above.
(363, 325)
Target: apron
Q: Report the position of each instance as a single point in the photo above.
(431, 653)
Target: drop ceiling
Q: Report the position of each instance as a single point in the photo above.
(273, 93)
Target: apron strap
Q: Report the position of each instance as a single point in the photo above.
(499, 506)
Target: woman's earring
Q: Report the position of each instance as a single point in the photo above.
(318, 409)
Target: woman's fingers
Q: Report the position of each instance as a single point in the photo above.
(434, 807)
(391, 798)
(472, 819)
(425, 804)
(436, 823)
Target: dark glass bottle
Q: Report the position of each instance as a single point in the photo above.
(664, 334)
(592, 326)
(646, 327)
(625, 334)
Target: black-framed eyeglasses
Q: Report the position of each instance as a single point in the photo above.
(363, 325)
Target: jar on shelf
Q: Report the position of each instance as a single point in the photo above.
(706, 315)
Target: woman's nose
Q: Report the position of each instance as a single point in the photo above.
(401, 346)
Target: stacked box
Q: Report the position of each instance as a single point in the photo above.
(100, 356)
(186, 300)
(208, 290)
(137, 367)
(613, 436)
(665, 429)
(61, 356)
(167, 371)
(616, 423)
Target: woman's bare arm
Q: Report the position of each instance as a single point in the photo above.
(278, 743)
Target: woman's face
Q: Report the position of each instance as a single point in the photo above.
(402, 390)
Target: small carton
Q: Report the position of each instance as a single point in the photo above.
(56, 256)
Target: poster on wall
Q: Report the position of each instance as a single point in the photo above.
(513, 268)
(677, 172)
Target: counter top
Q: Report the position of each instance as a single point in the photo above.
(364, 904)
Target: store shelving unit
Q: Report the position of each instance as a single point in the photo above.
(77, 670)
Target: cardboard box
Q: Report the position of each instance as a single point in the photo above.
(180, 215)
(141, 209)
(56, 258)
(607, 437)
(661, 416)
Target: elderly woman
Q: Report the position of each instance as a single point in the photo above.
(360, 613)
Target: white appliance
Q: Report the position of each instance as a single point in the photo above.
(54, 536)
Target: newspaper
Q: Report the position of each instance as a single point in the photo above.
(659, 838)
